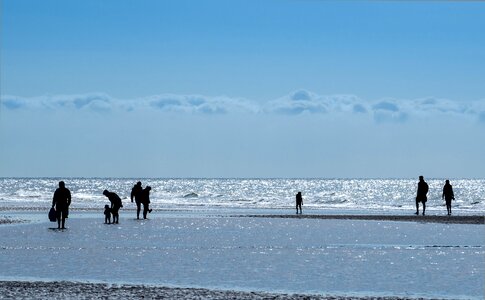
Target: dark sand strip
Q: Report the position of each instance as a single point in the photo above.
(76, 290)
(8, 220)
(480, 220)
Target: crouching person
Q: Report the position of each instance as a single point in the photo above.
(115, 204)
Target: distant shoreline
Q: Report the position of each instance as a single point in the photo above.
(478, 220)
(443, 219)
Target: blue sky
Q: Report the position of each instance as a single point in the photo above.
(242, 88)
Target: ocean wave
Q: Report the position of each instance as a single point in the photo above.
(191, 195)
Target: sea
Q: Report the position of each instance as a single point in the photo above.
(363, 195)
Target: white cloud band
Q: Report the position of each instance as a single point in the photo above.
(297, 103)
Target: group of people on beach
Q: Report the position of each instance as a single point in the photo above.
(141, 196)
(422, 193)
(116, 204)
(62, 200)
(421, 196)
(138, 193)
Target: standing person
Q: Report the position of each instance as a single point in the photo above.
(145, 200)
(115, 204)
(61, 200)
(421, 194)
(448, 195)
(136, 192)
(299, 202)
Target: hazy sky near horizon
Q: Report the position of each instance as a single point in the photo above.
(216, 88)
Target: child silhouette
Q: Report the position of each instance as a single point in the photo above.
(107, 214)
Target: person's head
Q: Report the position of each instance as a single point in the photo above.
(62, 184)
(421, 178)
(148, 188)
(299, 193)
(138, 183)
(447, 181)
(105, 192)
(106, 206)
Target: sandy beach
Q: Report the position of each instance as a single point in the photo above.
(8, 220)
(460, 219)
(79, 290)
(401, 218)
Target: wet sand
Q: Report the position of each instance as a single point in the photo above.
(83, 290)
(479, 220)
(78, 290)
(468, 219)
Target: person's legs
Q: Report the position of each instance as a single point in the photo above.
(138, 209)
(58, 215)
(145, 210)
(424, 207)
(115, 214)
(63, 213)
(417, 207)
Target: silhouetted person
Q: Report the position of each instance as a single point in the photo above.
(448, 195)
(145, 200)
(115, 204)
(421, 194)
(136, 192)
(61, 201)
(107, 214)
(299, 202)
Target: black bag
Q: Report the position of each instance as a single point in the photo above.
(52, 215)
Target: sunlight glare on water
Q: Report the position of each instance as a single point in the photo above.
(355, 194)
